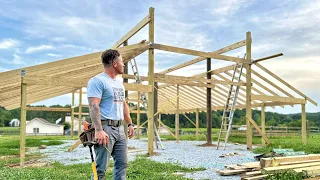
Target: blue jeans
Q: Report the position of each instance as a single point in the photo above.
(117, 145)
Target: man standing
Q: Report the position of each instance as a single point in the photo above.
(108, 109)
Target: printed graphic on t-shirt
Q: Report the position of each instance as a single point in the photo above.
(118, 94)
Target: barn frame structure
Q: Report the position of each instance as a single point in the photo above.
(180, 94)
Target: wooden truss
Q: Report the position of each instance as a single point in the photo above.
(186, 94)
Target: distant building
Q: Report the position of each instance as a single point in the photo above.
(14, 123)
(76, 123)
(41, 126)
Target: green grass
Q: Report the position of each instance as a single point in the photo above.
(10, 145)
(294, 142)
(141, 168)
(286, 175)
(9, 128)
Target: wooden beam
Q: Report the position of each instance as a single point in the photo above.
(278, 99)
(48, 109)
(263, 123)
(199, 59)
(209, 107)
(72, 114)
(275, 161)
(177, 116)
(36, 98)
(271, 83)
(138, 116)
(151, 83)
(259, 131)
(248, 92)
(23, 119)
(80, 111)
(197, 124)
(303, 124)
(265, 58)
(193, 79)
(133, 31)
(197, 53)
(285, 83)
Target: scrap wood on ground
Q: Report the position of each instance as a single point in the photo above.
(304, 165)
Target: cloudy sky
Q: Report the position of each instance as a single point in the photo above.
(35, 32)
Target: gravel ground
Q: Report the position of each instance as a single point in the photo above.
(184, 153)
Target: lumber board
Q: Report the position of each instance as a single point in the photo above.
(268, 57)
(285, 83)
(74, 146)
(298, 162)
(251, 165)
(48, 109)
(275, 169)
(269, 162)
(133, 31)
(226, 172)
(314, 169)
(255, 177)
(253, 173)
(278, 99)
(197, 53)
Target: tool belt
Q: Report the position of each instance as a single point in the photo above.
(87, 137)
(109, 122)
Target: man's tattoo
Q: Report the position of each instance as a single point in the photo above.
(95, 115)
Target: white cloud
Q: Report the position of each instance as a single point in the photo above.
(8, 43)
(53, 55)
(31, 50)
(17, 60)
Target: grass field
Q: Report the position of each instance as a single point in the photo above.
(139, 169)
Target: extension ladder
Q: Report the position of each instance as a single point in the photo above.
(229, 108)
(143, 98)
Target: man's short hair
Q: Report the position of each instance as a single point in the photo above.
(108, 56)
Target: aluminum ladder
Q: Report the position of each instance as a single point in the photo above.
(143, 98)
(229, 108)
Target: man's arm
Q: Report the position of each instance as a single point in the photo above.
(126, 113)
(96, 121)
(127, 118)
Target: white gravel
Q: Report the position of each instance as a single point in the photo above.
(184, 153)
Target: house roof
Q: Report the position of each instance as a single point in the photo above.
(45, 122)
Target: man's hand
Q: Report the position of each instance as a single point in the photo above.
(102, 137)
(130, 131)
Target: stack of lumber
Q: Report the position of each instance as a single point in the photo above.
(307, 164)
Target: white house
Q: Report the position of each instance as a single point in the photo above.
(41, 126)
(14, 122)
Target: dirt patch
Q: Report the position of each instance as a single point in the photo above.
(207, 145)
(33, 163)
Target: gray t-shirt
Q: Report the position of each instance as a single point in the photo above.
(111, 93)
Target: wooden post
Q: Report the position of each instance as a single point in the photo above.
(72, 115)
(159, 125)
(209, 108)
(23, 119)
(303, 124)
(248, 92)
(155, 105)
(80, 111)
(151, 82)
(177, 116)
(263, 122)
(197, 124)
(125, 80)
(138, 117)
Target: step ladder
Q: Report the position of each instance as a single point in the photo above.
(229, 108)
(143, 98)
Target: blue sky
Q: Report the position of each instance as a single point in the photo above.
(35, 32)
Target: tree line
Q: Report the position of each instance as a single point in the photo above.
(272, 119)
